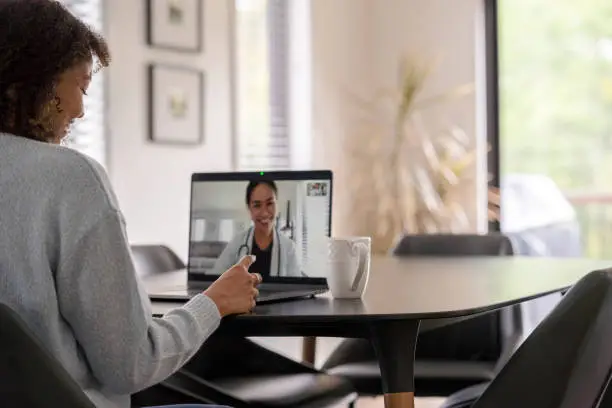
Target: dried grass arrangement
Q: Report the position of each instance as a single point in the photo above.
(415, 176)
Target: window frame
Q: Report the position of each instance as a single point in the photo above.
(492, 96)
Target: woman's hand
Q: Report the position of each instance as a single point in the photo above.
(236, 289)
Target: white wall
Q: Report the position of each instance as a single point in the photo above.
(447, 33)
(152, 181)
(357, 44)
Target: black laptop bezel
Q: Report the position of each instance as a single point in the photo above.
(302, 175)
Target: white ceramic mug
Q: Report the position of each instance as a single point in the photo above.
(348, 268)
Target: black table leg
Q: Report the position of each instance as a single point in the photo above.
(394, 342)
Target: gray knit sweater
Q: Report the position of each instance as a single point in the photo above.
(66, 268)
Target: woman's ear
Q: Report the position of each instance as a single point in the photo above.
(58, 104)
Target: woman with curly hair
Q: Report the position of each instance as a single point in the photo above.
(65, 262)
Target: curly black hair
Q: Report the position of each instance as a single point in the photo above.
(39, 40)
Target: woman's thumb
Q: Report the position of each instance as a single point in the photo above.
(247, 261)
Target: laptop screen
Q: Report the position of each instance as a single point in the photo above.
(283, 218)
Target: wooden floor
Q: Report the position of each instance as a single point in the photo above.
(419, 403)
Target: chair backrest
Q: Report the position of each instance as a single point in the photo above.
(453, 245)
(483, 338)
(566, 362)
(29, 375)
(155, 259)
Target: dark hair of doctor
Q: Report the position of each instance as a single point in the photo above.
(253, 184)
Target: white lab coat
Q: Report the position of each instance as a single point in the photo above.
(289, 264)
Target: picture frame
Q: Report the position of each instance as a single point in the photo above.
(176, 110)
(175, 24)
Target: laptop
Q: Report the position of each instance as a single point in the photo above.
(223, 225)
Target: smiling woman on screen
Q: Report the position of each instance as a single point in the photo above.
(65, 261)
(275, 254)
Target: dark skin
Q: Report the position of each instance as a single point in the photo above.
(263, 213)
(71, 86)
(236, 289)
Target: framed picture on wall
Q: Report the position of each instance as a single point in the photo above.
(176, 105)
(175, 24)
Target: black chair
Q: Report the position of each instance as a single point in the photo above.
(29, 375)
(453, 245)
(449, 358)
(566, 362)
(155, 259)
(239, 373)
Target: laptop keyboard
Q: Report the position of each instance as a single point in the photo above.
(278, 295)
(271, 295)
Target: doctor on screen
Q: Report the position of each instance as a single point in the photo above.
(275, 253)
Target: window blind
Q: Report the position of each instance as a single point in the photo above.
(262, 84)
(88, 133)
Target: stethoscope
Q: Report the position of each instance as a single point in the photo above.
(245, 247)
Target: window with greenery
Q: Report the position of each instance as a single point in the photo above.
(555, 77)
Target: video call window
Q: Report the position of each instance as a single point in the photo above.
(223, 225)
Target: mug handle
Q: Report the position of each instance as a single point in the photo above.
(362, 250)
